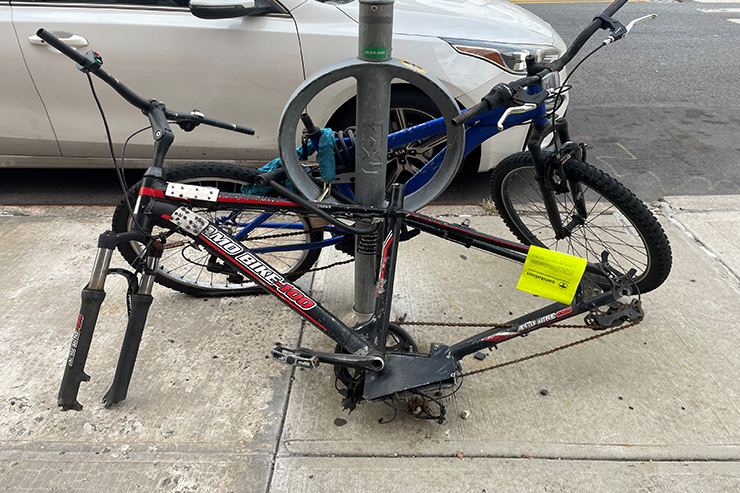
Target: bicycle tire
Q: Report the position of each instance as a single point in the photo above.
(617, 220)
(184, 268)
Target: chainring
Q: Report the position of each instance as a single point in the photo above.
(397, 341)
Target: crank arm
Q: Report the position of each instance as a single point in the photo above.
(309, 358)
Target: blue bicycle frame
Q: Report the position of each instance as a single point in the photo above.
(261, 222)
(477, 132)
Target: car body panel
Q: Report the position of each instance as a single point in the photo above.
(25, 127)
(201, 64)
(241, 70)
(483, 20)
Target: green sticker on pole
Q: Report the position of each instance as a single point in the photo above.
(375, 52)
(552, 275)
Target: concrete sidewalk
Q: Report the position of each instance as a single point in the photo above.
(652, 408)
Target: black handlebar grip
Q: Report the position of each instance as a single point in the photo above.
(470, 113)
(62, 47)
(614, 6)
(585, 35)
(500, 96)
(311, 130)
(243, 130)
(227, 126)
(263, 179)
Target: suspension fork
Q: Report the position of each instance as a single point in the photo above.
(547, 177)
(579, 152)
(542, 175)
(141, 301)
(93, 295)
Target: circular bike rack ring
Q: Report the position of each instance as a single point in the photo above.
(355, 68)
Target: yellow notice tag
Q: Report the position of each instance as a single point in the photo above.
(552, 275)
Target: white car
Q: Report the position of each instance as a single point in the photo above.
(241, 70)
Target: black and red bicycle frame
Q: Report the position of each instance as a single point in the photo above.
(387, 373)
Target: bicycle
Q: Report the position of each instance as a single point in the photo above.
(552, 200)
(375, 360)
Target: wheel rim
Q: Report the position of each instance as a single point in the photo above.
(188, 264)
(605, 228)
(403, 163)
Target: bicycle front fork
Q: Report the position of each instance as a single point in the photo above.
(550, 175)
(92, 298)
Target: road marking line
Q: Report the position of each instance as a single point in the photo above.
(736, 21)
(717, 1)
(720, 11)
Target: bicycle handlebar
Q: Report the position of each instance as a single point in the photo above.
(585, 35)
(500, 95)
(92, 64)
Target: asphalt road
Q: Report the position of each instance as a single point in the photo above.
(659, 110)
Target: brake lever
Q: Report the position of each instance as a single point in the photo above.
(622, 31)
(513, 110)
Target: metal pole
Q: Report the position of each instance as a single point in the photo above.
(373, 107)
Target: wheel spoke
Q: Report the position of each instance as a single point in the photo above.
(424, 146)
(611, 220)
(185, 267)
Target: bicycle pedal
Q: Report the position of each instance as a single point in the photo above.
(294, 358)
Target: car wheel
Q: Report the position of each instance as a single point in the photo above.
(409, 107)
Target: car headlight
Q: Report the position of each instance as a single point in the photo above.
(507, 56)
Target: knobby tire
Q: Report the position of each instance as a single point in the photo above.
(617, 221)
(183, 268)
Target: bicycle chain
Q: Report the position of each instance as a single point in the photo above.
(282, 235)
(531, 356)
(316, 269)
(457, 324)
(176, 244)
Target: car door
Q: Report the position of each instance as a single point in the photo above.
(240, 70)
(24, 129)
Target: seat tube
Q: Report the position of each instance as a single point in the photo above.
(387, 274)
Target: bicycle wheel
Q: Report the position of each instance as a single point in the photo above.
(409, 107)
(613, 219)
(191, 270)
